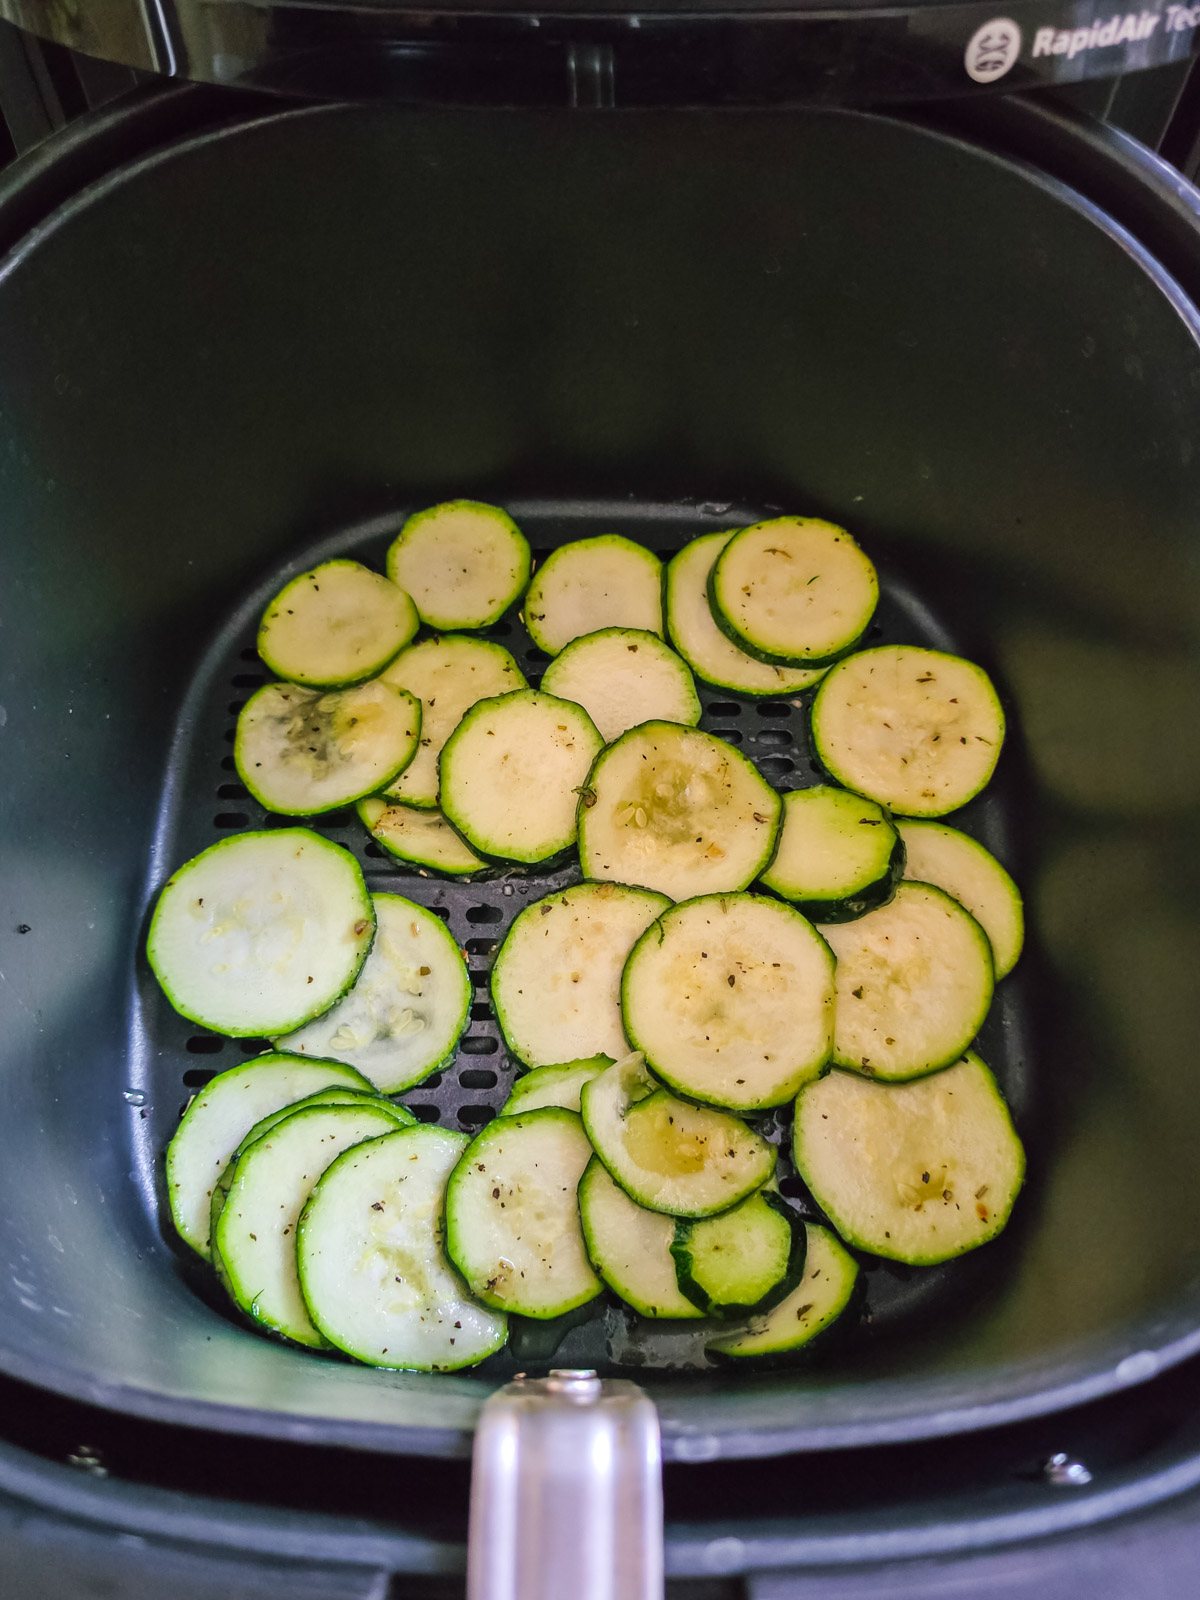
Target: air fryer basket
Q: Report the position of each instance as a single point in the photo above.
(270, 340)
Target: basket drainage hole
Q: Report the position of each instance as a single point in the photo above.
(774, 710)
(372, 849)
(250, 654)
(197, 1077)
(724, 708)
(248, 680)
(233, 791)
(235, 706)
(481, 1013)
(776, 764)
(425, 1113)
(484, 914)
(477, 1078)
(433, 1081)
(253, 1047)
(475, 1116)
(228, 764)
(775, 736)
(439, 911)
(730, 735)
(534, 654)
(333, 819)
(793, 1188)
(205, 1044)
(481, 947)
(480, 1045)
(230, 819)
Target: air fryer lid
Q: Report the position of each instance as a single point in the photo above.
(837, 313)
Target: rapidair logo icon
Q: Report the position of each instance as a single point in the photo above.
(1131, 28)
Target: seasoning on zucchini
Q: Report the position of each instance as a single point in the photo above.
(915, 729)
(372, 1269)
(838, 855)
(745, 1260)
(556, 981)
(623, 676)
(606, 582)
(335, 624)
(463, 562)
(262, 932)
(512, 1219)
(830, 1273)
(677, 810)
(557, 1085)
(419, 836)
(668, 1155)
(971, 875)
(794, 591)
(404, 1015)
(511, 773)
(730, 999)
(302, 751)
(917, 1172)
(630, 1247)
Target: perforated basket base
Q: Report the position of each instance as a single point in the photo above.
(203, 801)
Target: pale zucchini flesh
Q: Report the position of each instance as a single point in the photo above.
(448, 674)
(262, 932)
(623, 676)
(917, 1172)
(821, 1296)
(743, 1260)
(336, 624)
(404, 1015)
(914, 981)
(711, 654)
(512, 771)
(558, 1085)
(372, 1262)
(689, 1161)
(419, 836)
(914, 729)
(606, 582)
(556, 981)
(302, 751)
(794, 591)
(220, 1116)
(971, 875)
(512, 1215)
(464, 563)
(839, 855)
(677, 810)
(731, 1000)
(630, 1247)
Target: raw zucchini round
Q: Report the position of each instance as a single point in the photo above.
(630, 1247)
(730, 999)
(448, 675)
(677, 810)
(830, 1273)
(917, 730)
(419, 836)
(302, 751)
(917, 1172)
(556, 982)
(512, 1219)
(838, 855)
(336, 624)
(372, 1269)
(262, 932)
(743, 1261)
(606, 582)
(220, 1116)
(463, 562)
(668, 1155)
(512, 771)
(558, 1085)
(794, 591)
(403, 1017)
(711, 655)
(971, 875)
(623, 676)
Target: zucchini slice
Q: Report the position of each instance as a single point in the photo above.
(794, 591)
(302, 751)
(830, 1273)
(623, 676)
(556, 981)
(916, 1172)
(630, 1247)
(220, 1116)
(371, 1262)
(745, 1260)
(667, 1155)
(448, 675)
(710, 654)
(838, 854)
(971, 875)
(914, 982)
(917, 730)
(606, 582)
(255, 1235)
(262, 932)
(558, 1085)
(512, 1219)
(511, 773)
(677, 810)
(336, 624)
(419, 836)
(730, 1000)
(403, 1017)
(463, 562)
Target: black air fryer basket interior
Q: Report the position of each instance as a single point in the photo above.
(266, 343)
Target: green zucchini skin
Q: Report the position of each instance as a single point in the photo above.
(857, 905)
(445, 610)
(766, 657)
(681, 1250)
(825, 1299)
